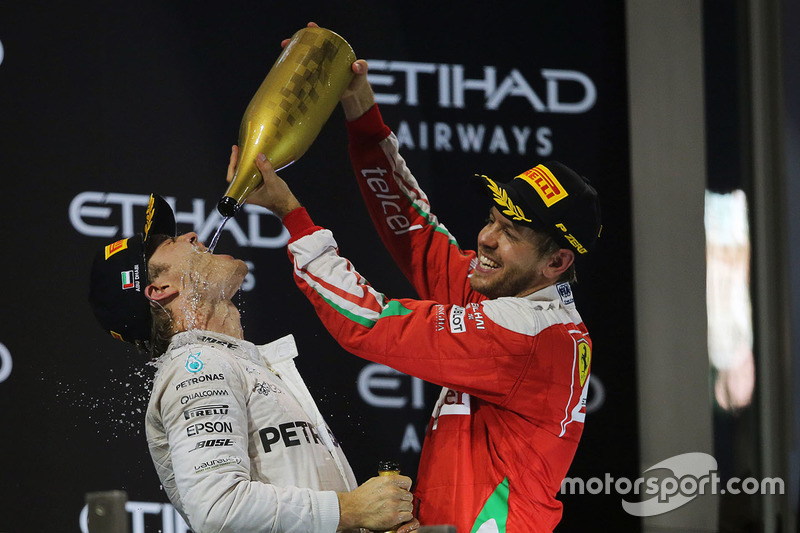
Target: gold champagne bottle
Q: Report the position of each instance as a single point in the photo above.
(288, 111)
(389, 468)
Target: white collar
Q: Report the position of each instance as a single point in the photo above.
(273, 352)
(553, 295)
(279, 350)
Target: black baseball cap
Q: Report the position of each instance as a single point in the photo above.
(550, 197)
(119, 277)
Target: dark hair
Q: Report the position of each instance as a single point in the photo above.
(546, 245)
(161, 331)
(161, 328)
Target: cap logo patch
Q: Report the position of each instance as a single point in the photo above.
(572, 240)
(115, 247)
(148, 221)
(501, 198)
(545, 183)
(127, 279)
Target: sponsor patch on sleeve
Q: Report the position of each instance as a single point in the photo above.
(457, 324)
(193, 363)
(565, 292)
(115, 247)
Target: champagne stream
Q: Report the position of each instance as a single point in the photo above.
(213, 243)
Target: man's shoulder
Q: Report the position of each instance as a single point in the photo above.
(192, 359)
(530, 316)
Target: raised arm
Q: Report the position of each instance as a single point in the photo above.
(451, 345)
(358, 98)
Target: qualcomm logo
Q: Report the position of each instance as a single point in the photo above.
(110, 214)
(5, 362)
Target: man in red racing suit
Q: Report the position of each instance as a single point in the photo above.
(496, 328)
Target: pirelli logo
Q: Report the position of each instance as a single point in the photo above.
(115, 247)
(545, 184)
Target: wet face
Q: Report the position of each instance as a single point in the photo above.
(509, 262)
(184, 263)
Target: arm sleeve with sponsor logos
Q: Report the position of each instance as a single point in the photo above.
(210, 460)
(450, 345)
(423, 248)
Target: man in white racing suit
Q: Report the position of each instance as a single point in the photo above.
(235, 436)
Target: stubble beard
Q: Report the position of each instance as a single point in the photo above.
(509, 284)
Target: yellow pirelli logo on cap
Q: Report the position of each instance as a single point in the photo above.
(115, 247)
(544, 183)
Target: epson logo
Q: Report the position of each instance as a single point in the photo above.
(110, 214)
(209, 427)
(403, 79)
(205, 410)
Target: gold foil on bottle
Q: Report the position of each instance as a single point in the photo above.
(290, 107)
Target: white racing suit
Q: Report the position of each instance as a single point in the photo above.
(237, 440)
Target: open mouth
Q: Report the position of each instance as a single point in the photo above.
(487, 265)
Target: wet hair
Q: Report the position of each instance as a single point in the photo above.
(161, 331)
(161, 328)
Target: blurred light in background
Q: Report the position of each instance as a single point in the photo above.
(730, 323)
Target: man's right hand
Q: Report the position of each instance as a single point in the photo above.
(358, 97)
(381, 503)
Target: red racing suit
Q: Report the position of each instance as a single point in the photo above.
(515, 371)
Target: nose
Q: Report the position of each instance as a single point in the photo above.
(487, 237)
(190, 237)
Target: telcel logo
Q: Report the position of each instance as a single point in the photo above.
(109, 214)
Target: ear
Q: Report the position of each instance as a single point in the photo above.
(558, 263)
(160, 293)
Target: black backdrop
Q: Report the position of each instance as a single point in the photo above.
(103, 102)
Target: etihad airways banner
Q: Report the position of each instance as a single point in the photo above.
(106, 102)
